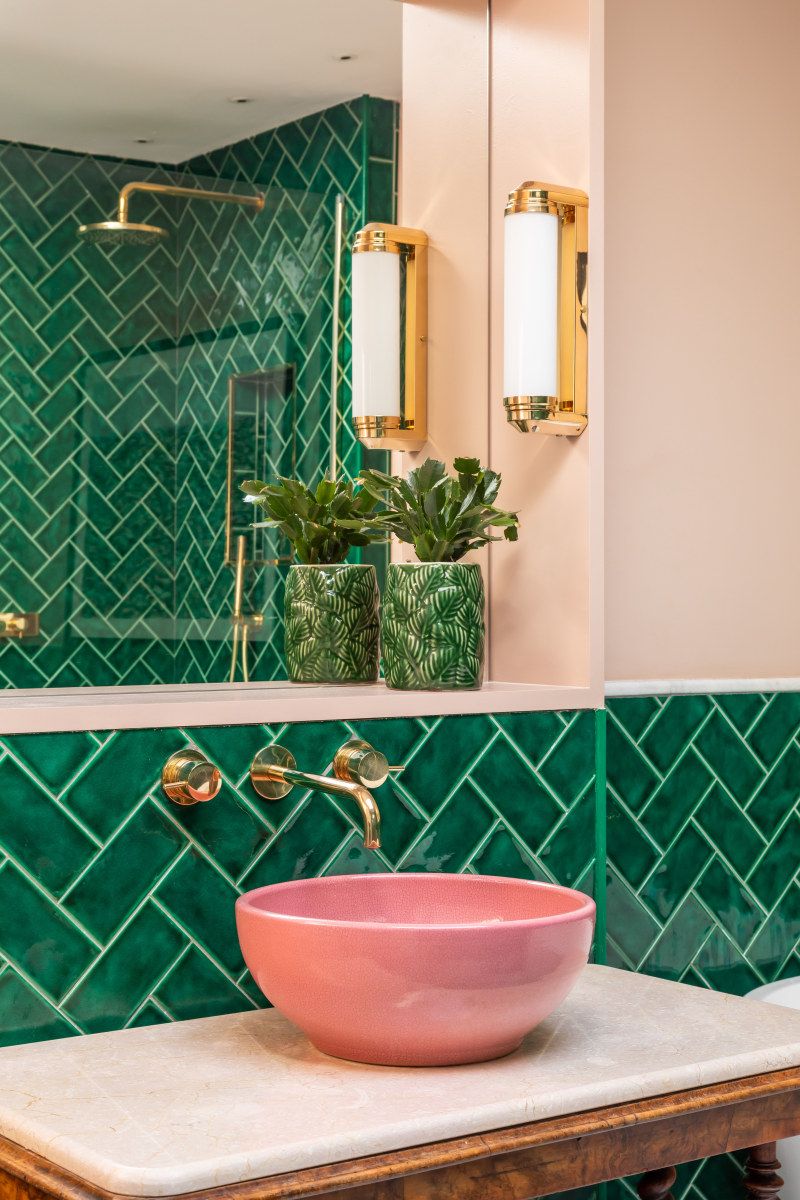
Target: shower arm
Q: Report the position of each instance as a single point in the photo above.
(169, 189)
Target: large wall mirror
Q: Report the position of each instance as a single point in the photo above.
(142, 369)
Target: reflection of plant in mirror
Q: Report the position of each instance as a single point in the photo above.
(441, 516)
(323, 525)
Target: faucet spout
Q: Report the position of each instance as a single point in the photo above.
(272, 779)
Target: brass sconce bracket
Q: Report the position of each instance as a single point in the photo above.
(564, 415)
(409, 431)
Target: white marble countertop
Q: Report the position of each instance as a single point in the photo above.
(174, 1108)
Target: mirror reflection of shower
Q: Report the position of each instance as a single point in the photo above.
(262, 444)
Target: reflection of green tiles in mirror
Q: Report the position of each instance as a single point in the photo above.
(116, 907)
(114, 369)
(262, 444)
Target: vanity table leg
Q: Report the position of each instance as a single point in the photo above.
(761, 1178)
(656, 1185)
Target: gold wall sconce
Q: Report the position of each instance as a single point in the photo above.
(545, 352)
(389, 336)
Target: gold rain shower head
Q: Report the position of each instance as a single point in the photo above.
(122, 231)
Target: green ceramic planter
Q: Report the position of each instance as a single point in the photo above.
(332, 624)
(432, 628)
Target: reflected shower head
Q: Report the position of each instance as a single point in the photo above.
(121, 231)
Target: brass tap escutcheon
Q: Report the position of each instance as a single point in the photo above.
(189, 778)
(274, 773)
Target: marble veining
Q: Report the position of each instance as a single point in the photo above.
(198, 1104)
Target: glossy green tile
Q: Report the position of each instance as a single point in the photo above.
(527, 806)
(25, 1016)
(676, 798)
(129, 865)
(449, 840)
(632, 847)
(309, 836)
(38, 937)
(534, 733)
(196, 988)
(454, 744)
(118, 779)
(680, 718)
(202, 901)
(631, 775)
(720, 899)
(36, 831)
(776, 726)
(569, 767)
(504, 854)
(729, 757)
(122, 977)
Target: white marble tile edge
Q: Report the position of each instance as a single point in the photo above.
(618, 688)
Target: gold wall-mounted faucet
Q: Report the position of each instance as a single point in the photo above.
(357, 766)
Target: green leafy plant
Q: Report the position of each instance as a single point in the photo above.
(442, 516)
(322, 525)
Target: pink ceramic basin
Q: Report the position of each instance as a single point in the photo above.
(415, 970)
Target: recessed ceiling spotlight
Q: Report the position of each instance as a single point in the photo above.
(240, 99)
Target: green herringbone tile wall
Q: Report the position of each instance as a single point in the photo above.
(114, 366)
(87, 426)
(116, 907)
(263, 286)
(704, 851)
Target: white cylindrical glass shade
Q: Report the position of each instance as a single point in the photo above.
(530, 334)
(376, 334)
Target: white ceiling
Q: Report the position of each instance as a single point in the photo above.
(95, 75)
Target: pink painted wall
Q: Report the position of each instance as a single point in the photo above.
(702, 167)
(546, 590)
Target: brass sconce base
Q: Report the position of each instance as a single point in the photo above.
(542, 414)
(387, 433)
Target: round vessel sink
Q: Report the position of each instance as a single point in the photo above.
(415, 970)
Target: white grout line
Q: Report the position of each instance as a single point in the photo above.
(677, 687)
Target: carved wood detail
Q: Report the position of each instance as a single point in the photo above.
(761, 1178)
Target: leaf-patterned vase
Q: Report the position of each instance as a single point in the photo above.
(332, 624)
(432, 628)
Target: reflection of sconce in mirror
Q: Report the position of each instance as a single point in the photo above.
(545, 310)
(390, 329)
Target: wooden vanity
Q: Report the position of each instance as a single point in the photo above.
(632, 1075)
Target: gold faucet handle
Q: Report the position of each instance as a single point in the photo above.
(189, 778)
(361, 763)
